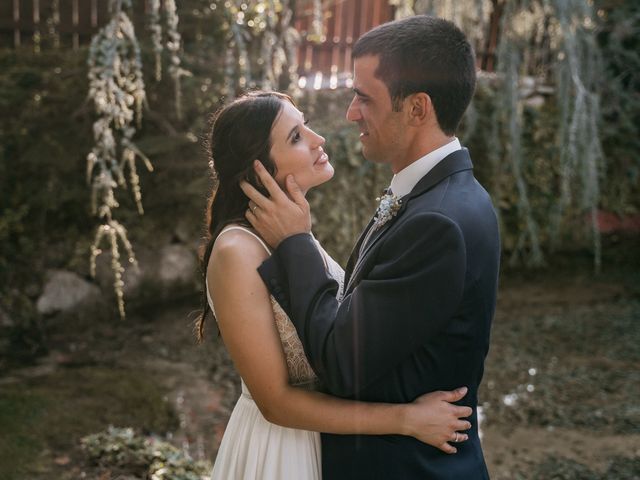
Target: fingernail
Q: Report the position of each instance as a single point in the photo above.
(256, 163)
(463, 390)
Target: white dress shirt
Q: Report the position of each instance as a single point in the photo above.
(407, 178)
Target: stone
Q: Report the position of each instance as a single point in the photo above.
(536, 101)
(65, 291)
(5, 319)
(132, 276)
(184, 231)
(177, 265)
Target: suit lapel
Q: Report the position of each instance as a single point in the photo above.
(375, 236)
(452, 163)
(353, 258)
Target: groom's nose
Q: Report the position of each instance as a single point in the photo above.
(353, 112)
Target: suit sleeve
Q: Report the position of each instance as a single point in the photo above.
(407, 298)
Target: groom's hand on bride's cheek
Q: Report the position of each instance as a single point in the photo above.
(276, 217)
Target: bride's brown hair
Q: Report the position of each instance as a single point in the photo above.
(240, 133)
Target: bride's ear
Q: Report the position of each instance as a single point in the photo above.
(254, 180)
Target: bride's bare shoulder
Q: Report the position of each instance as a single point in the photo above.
(237, 248)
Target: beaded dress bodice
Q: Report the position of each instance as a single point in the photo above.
(300, 372)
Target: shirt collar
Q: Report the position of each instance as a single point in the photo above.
(403, 182)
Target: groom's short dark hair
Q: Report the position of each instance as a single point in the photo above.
(424, 54)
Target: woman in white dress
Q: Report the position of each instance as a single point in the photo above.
(272, 431)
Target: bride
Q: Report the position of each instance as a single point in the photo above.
(272, 432)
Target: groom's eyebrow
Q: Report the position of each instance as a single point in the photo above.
(360, 93)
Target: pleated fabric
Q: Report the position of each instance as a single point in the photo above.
(254, 449)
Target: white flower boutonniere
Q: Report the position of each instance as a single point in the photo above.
(387, 209)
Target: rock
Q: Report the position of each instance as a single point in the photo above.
(177, 265)
(537, 101)
(132, 276)
(65, 291)
(184, 231)
(5, 319)
(32, 291)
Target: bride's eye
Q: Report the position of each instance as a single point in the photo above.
(296, 137)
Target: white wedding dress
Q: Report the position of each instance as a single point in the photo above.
(253, 448)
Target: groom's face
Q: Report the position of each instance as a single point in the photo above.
(381, 130)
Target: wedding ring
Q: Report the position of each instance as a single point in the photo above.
(456, 439)
(253, 209)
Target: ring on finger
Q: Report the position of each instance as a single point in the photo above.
(456, 439)
(254, 208)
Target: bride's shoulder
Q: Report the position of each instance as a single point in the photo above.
(237, 247)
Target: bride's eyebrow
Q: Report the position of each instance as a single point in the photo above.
(293, 130)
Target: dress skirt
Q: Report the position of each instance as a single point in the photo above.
(254, 449)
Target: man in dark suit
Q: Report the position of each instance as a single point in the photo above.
(420, 287)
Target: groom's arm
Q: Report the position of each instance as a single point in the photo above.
(406, 299)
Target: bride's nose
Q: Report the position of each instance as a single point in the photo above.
(317, 140)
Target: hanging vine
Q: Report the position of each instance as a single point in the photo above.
(155, 27)
(532, 34)
(117, 89)
(262, 46)
(173, 46)
(579, 74)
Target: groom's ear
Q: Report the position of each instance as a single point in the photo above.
(419, 108)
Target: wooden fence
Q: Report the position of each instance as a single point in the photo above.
(40, 24)
(328, 64)
(324, 64)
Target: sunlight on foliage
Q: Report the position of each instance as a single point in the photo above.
(117, 89)
(123, 450)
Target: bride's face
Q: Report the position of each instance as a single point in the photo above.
(297, 150)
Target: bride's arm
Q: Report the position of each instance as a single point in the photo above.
(247, 325)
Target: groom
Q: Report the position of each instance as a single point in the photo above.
(420, 286)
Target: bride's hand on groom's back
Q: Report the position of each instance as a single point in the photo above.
(434, 419)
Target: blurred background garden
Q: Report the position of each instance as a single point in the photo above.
(104, 177)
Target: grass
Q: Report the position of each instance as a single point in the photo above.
(52, 414)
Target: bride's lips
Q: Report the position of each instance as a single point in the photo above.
(322, 158)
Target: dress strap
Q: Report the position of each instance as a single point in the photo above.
(238, 227)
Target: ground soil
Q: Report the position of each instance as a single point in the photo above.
(560, 396)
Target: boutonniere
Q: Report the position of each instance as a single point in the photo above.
(387, 209)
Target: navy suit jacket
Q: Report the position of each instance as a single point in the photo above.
(415, 317)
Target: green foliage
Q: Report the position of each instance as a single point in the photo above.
(40, 415)
(122, 450)
(45, 132)
(619, 40)
(39, 162)
(19, 414)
